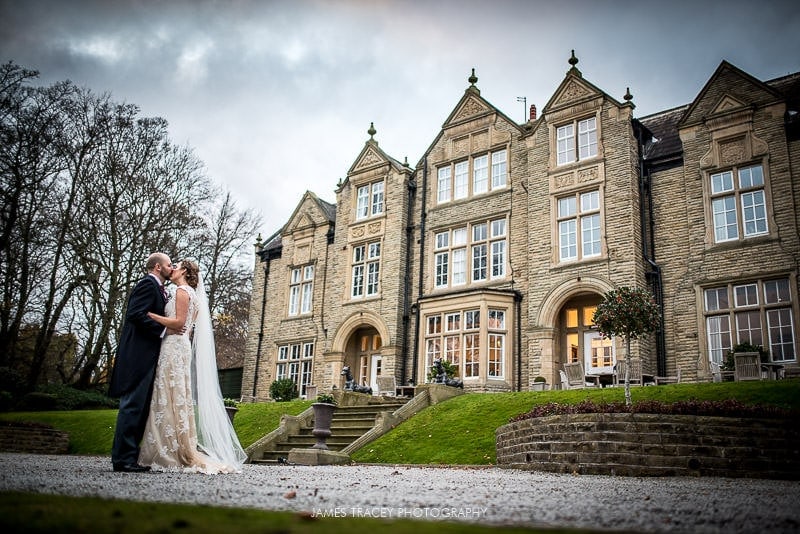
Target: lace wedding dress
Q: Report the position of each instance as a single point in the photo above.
(171, 438)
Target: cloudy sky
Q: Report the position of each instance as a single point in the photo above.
(276, 97)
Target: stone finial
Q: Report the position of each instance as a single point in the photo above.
(405, 163)
(372, 131)
(473, 79)
(574, 61)
(628, 96)
(259, 244)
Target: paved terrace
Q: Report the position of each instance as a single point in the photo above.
(490, 495)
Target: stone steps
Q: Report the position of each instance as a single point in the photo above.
(348, 424)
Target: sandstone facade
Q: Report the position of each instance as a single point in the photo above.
(493, 250)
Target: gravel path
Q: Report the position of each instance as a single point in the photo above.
(486, 495)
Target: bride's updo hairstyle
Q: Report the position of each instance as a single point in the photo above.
(192, 273)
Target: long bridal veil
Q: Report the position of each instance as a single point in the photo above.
(215, 434)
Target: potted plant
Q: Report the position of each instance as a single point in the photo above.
(323, 408)
(231, 406)
(539, 383)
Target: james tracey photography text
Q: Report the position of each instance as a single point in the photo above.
(401, 513)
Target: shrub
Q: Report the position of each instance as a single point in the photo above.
(283, 390)
(723, 408)
(37, 401)
(327, 398)
(70, 398)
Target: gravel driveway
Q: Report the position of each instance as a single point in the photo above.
(485, 495)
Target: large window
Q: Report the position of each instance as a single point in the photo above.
(738, 203)
(295, 361)
(369, 200)
(301, 290)
(485, 242)
(759, 313)
(572, 147)
(488, 171)
(579, 226)
(461, 338)
(366, 270)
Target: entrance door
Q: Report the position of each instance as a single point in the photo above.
(598, 353)
(375, 372)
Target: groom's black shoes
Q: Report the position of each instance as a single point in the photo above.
(131, 468)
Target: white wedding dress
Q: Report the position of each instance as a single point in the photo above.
(171, 438)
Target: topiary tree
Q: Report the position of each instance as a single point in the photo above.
(283, 389)
(628, 312)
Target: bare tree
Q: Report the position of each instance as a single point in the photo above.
(89, 190)
(221, 245)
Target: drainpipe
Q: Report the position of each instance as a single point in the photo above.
(654, 276)
(518, 343)
(422, 216)
(412, 189)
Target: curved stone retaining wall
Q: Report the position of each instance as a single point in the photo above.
(652, 445)
(33, 439)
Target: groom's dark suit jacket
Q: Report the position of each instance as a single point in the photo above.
(140, 341)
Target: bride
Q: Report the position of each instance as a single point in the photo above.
(188, 428)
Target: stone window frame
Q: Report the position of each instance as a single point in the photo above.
(301, 284)
(577, 216)
(575, 137)
(720, 302)
(371, 255)
(295, 360)
(442, 339)
(737, 191)
(447, 190)
(445, 249)
(374, 200)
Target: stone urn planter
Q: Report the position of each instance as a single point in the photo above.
(231, 411)
(323, 415)
(231, 407)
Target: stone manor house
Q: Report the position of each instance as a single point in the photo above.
(493, 251)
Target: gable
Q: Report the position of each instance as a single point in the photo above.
(729, 89)
(369, 157)
(471, 106)
(573, 90)
(307, 216)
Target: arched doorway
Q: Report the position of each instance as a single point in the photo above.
(565, 332)
(580, 341)
(363, 355)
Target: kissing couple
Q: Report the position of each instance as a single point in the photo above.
(171, 413)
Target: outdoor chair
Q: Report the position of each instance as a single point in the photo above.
(576, 378)
(747, 366)
(387, 386)
(672, 379)
(634, 376)
(564, 380)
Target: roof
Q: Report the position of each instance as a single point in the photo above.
(664, 127)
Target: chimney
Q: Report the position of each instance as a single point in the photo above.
(533, 112)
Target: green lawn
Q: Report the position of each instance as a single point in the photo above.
(32, 513)
(460, 431)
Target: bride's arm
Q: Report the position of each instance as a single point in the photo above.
(181, 310)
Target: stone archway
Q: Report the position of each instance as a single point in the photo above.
(547, 332)
(362, 343)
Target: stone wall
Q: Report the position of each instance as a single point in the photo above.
(652, 445)
(33, 439)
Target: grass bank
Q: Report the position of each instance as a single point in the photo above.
(460, 431)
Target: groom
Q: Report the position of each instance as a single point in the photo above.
(135, 365)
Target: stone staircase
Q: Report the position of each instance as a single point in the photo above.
(349, 423)
(357, 420)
